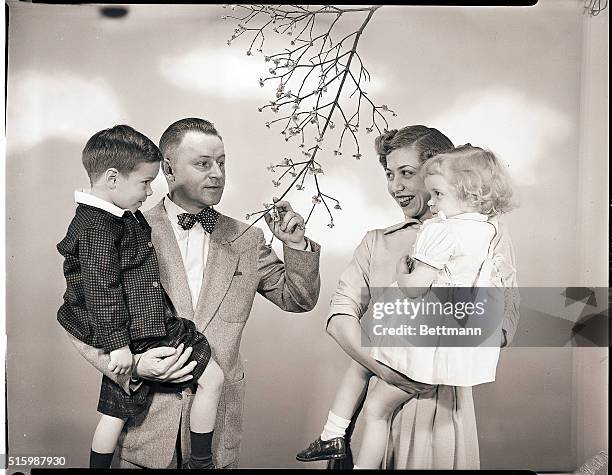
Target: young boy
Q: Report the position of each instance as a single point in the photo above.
(114, 299)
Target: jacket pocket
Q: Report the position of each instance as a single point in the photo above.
(234, 399)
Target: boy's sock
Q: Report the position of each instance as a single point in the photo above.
(201, 450)
(334, 427)
(97, 460)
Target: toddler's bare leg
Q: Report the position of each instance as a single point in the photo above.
(351, 391)
(331, 443)
(379, 405)
(206, 400)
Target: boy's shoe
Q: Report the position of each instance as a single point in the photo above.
(188, 466)
(323, 450)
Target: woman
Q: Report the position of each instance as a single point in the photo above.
(438, 429)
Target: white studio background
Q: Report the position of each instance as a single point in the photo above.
(514, 80)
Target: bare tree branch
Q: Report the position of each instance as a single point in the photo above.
(321, 70)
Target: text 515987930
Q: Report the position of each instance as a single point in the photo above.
(33, 461)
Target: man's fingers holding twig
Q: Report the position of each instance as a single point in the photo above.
(282, 206)
(293, 223)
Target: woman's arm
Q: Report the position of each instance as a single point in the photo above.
(348, 304)
(347, 332)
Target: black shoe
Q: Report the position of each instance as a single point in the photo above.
(188, 466)
(333, 449)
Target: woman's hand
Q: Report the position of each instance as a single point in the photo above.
(165, 364)
(402, 382)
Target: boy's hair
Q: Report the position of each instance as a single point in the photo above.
(176, 131)
(427, 141)
(476, 175)
(119, 147)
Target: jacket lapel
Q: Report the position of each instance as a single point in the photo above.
(220, 267)
(171, 268)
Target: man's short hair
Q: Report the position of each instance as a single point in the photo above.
(176, 131)
(119, 147)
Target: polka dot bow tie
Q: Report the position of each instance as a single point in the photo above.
(207, 218)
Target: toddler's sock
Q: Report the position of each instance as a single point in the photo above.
(97, 460)
(201, 450)
(334, 427)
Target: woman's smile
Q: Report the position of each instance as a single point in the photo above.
(404, 200)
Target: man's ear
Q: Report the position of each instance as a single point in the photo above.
(110, 178)
(167, 169)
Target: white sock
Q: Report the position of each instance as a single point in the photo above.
(334, 427)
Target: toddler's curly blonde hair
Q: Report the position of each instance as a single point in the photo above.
(476, 175)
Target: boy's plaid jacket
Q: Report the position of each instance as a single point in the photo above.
(113, 290)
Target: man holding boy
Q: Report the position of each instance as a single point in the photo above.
(211, 271)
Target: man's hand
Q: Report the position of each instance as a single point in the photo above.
(120, 360)
(286, 225)
(165, 364)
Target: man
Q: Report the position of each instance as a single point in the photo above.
(211, 271)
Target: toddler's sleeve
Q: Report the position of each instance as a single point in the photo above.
(435, 244)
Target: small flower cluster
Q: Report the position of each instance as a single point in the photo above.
(310, 111)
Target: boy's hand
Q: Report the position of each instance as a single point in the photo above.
(120, 360)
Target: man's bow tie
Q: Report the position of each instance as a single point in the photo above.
(207, 218)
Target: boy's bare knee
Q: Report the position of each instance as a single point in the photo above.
(219, 376)
(213, 377)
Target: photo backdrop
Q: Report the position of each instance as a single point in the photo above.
(519, 81)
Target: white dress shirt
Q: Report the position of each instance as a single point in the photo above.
(193, 244)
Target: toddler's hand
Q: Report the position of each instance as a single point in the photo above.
(404, 266)
(120, 360)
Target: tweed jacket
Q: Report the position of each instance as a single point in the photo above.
(234, 273)
(113, 295)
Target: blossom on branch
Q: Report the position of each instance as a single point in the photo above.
(327, 74)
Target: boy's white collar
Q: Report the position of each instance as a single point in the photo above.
(86, 198)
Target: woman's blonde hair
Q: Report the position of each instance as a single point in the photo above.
(476, 175)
